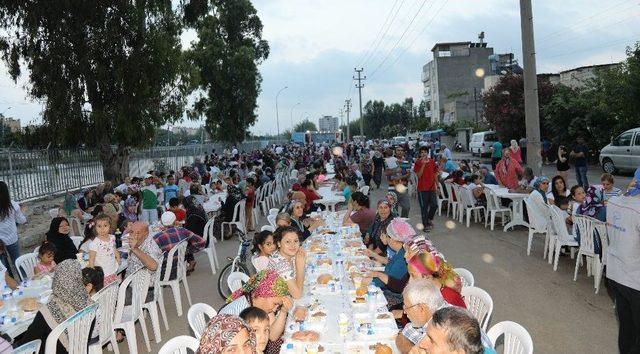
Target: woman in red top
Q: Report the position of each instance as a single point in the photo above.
(309, 194)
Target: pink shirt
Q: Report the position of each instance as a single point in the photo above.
(507, 173)
(43, 268)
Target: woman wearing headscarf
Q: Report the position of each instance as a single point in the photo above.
(398, 233)
(129, 212)
(539, 194)
(516, 153)
(589, 203)
(383, 217)
(196, 217)
(225, 333)
(68, 296)
(424, 261)
(58, 234)
(508, 171)
(269, 292)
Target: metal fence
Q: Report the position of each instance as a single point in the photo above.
(34, 174)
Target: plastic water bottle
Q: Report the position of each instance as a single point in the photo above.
(289, 349)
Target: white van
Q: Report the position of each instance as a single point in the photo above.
(623, 153)
(399, 140)
(482, 142)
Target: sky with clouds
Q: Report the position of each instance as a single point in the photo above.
(315, 45)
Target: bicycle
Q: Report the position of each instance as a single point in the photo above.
(238, 264)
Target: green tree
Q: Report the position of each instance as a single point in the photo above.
(107, 72)
(226, 55)
(504, 105)
(304, 126)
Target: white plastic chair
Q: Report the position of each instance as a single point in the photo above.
(236, 279)
(198, 316)
(452, 205)
(77, 328)
(272, 220)
(467, 206)
(75, 226)
(106, 299)
(365, 190)
(587, 228)
(559, 236)
(32, 347)
(466, 276)
(268, 228)
(273, 211)
(179, 345)
(178, 253)
(494, 207)
(238, 219)
(156, 302)
(538, 224)
(479, 303)
(441, 199)
(126, 316)
(211, 252)
(77, 240)
(517, 339)
(25, 265)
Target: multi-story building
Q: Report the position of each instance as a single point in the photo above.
(454, 79)
(10, 123)
(328, 124)
(578, 77)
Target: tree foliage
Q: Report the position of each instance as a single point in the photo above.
(226, 56)
(381, 120)
(304, 126)
(504, 105)
(107, 72)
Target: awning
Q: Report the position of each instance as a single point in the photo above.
(433, 134)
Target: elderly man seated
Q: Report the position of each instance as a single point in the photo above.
(173, 235)
(453, 330)
(421, 299)
(143, 253)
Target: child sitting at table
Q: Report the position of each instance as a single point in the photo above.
(258, 321)
(102, 250)
(46, 253)
(174, 206)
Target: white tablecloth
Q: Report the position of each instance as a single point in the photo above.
(338, 298)
(215, 202)
(329, 198)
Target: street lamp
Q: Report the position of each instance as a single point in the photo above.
(294, 106)
(277, 113)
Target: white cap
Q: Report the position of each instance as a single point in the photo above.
(148, 176)
(168, 218)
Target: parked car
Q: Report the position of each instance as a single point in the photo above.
(399, 140)
(623, 153)
(482, 142)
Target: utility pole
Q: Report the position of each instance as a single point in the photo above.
(531, 109)
(277, 113)
(347, 104)
(359, 86)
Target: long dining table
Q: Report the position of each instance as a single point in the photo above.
(345, 314)
(517, 205)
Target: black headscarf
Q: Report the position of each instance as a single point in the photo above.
(65, 249)
(196, 217)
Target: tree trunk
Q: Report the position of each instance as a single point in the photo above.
(115, 165)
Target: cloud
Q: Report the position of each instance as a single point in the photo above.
(316, 44)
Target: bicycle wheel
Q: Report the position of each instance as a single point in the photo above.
(223, 287)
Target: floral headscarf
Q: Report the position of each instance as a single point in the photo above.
(430, 262)
(400, 230)
(128, 215)
(220, 332)
(266, 283)
(68, 295)
(592, 202)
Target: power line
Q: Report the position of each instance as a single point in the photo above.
(601, 45)
(378, 34)
(552, 44)
(372, 53)
(399, 40)
(563, 29)
(404, 50)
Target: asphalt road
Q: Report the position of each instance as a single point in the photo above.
(593, 172)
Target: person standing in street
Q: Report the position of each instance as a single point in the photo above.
(496, 154)
(427, 171)
(399, 179)
(579, 153)
(10, 214)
